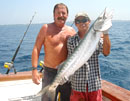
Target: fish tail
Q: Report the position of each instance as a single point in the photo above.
(49, 90)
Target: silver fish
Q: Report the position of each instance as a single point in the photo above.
(81, 54)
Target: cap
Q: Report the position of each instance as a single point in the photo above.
(81, 14)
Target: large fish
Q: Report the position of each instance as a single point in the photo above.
(81, 54)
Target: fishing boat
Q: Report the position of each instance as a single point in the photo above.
(19, 87)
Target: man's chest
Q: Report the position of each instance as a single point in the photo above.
(57, 38)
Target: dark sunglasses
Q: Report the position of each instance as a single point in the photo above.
(77, 21)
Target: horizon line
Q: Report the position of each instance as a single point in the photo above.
(48, 22)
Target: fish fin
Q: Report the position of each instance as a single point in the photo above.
(49, 90)
(110, 15)
(104, 15)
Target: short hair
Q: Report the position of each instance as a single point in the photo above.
(60, 4)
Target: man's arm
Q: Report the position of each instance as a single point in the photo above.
(106, 44)
(35, 54)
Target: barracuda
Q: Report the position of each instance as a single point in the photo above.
(81, 54)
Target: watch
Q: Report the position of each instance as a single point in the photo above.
(34, 68)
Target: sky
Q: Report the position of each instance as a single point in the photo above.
(21, 11)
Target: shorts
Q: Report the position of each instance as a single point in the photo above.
(65, 89)
(86, 96)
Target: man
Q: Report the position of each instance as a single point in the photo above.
(86, 82)
(54, 38)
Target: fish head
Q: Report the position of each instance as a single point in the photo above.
(104, 21)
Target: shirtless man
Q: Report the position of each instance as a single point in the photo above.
(53, 37)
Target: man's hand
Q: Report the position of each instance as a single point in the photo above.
(105, 32)
(35, 77)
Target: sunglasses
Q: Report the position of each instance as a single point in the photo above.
(84, 20)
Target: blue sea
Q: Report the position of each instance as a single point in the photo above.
(115, 68)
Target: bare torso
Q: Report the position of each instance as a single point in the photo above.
(55, 44)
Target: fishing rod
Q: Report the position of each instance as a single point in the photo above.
(10, 65)
(72, 23)
(41, 63)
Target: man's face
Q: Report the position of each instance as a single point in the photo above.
(60, 15)
(82, 23)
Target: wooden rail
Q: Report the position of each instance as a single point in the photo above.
(114, 92)
(18, 76)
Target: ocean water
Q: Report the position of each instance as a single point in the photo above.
(115, 68)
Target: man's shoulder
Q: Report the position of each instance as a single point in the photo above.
(45, 27)
(69, 27)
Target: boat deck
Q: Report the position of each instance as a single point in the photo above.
(19, 90)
